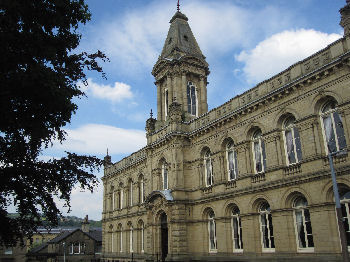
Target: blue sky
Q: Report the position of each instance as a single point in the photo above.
(245, 42)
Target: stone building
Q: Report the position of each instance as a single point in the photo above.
(246, 181)
(80, 244)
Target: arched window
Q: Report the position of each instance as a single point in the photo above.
(141, 237)
(113, 198)
(164, 176)
(236, 230)
(208, 169)
(259, 154)
(130, 200)
(345, 208)
(267, 238)
(192, 99)
(303, 224)
(112, 241)
(120, 196)
(332, 128)
(166, 103)
(120, 238)
(212, 231)
(131, 239)
(231, 157)
(292, 141)
(141, 189)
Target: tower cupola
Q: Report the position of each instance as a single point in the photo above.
(181, 72)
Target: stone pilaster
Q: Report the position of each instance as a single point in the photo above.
(159, 102)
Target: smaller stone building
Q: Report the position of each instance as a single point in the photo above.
(81, 244)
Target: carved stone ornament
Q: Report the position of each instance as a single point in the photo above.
(175, 112)
(150, 125)
(345, 18)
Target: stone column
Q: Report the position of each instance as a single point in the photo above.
(184, 91)
(170, 89)
(203, 105)
(159, 102)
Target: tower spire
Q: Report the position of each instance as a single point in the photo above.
(178, 5)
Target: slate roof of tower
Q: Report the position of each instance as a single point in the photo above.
(180, 40)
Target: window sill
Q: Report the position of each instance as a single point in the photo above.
(214, 251)
(268, 250)
(238, 251)
(306, 250)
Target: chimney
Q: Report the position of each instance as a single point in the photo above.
(85, 225)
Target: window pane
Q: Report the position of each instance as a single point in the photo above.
(263, 154)
(240, 230)
(236, 164)
(310, 240)
(211, 234)
(257, 153)
(328, 129)
(188, 99)
(290, 147)
(340, 131)
(208, 170)
(193, 100)
(298, 144)
(231, 166)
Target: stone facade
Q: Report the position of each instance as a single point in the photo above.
(246, 181)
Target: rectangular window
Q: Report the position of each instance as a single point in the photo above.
(329, 132)
(212, 235)
(166, 103)
(8, 251)
(237, 234)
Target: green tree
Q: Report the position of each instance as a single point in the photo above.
(39, 71)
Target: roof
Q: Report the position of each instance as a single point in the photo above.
(95, 234)
(180, 40)
(166, 194)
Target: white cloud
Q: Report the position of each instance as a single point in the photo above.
(135, 39)
(84, 203)
(116, 93)
(95, 139)
(281, 50)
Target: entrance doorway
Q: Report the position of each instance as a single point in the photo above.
(164, 235)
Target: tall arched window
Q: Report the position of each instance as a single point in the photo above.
(345, 208)
(131, 239)
(166, 103)
(164, 176)
(121, 196)
(113, 198)
(141, 236)
(212, 231)
(231, 157)
(267, 238)
(130, 200)
(141, 189)
(208, 169)
(259, 154)
(292, 141)
(120, 237)
(303, 224)
(192, 99)
(332, 128)
(236, 230)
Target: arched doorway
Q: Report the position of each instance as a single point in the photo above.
(164, 236)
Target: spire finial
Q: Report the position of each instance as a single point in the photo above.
(178, 5)
(151, 114)
(107, 151)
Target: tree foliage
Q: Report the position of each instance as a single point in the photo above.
(38, 75)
